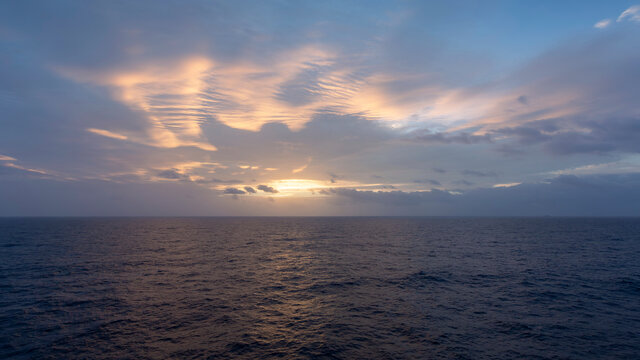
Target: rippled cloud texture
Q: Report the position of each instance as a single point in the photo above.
(319, 108)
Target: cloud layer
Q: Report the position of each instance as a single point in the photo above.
(314, 108)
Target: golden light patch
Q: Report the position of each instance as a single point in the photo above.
(295, 187)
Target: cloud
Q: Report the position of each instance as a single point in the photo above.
(272, 104)
(246, 74)
(19, 167)
(328, 136)
(107, 133)
(602, 24)
(180, 94)
(189, 175)
(506, 185)
(449, 138)
(171, 174)
(250, 190)
(395, 198)
(575, 135)
(378, 96)
(563, 195)
(463, 182)
(301, 168)
(594, 195)
(579, 100)
(41, 197)
(168, 93)
(628, 166)
(428, 181)
(478, 173)
(523, 100)
(219, 181)
(233, 191)
(267, 189)
(632, 13)
(6, 158)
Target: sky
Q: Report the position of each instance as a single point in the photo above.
(407, 108)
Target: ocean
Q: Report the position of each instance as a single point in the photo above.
(320, 288)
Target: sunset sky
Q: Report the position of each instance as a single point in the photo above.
(319, 108)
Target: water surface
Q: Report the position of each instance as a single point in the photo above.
(320, 288)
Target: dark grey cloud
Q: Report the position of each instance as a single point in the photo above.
(333, 178)
(250, 190)
(479, 173)
(526, 134)
(523, 100)
(395, 198)
(463, 182)
(595, 195)
(267, 189)
(233, 191)
(428, 181)
(29, 197)
(597, 77)
(574, 136)
(171, 174)
(219, 181)
(449, 138)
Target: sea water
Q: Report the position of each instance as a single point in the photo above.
(320, 288)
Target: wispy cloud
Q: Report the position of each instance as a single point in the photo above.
(602, 24)
(107, 133)
(301, 168)
(629, 165)
(6, 158)
(632, 14)
(506, 185)
(168, 93)
(36, 171)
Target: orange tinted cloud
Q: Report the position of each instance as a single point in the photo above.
(107, 133)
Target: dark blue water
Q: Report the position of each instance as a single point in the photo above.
(320, 288)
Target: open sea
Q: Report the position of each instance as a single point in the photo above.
(320, 288)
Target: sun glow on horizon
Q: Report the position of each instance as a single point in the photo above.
(298, 187)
